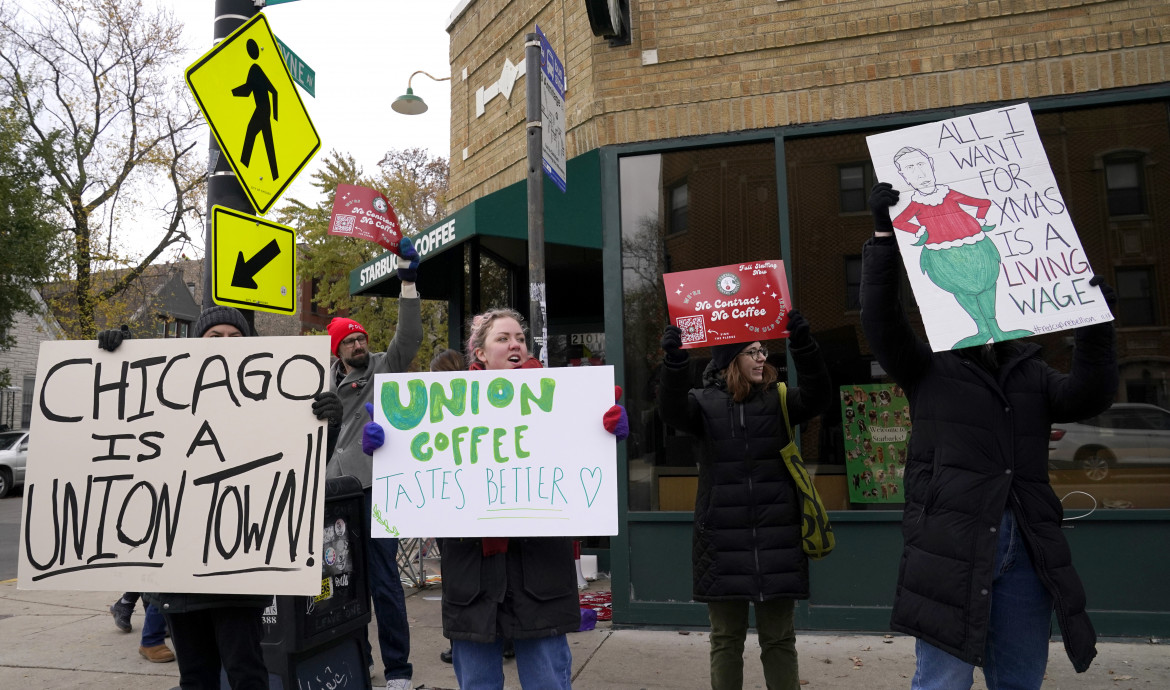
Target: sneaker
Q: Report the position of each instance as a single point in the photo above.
(158, 654)
(121, 613)
(399, 684)
(445, 656)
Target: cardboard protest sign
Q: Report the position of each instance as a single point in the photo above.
(986, 236)
(495, 454)
(875, 419)
(365, 213)
(176, 465)
(729, 304)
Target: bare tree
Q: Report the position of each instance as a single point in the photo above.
(100, 84)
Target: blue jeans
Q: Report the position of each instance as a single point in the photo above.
(154, 630)
(389, 602)
(544, 663)
(1016, 653)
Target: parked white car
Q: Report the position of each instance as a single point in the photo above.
(13, 455)
(1125, 435)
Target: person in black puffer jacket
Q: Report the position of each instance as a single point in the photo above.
(984, 562)
(747, 540)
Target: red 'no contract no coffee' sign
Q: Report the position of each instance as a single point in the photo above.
(740, 303)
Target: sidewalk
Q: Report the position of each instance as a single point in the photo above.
(51, 640)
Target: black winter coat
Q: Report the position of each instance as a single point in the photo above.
(979, 447)
(747, 515)
(529, 591)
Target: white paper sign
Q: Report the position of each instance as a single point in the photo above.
(176, 465)
(514, 453)
(986, 236)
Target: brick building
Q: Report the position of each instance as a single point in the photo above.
(711, 133)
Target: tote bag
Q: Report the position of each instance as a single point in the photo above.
(817, 537)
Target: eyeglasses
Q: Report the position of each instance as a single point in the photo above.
(756, 353)
(354, 340)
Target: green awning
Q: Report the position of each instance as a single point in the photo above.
(499, 221)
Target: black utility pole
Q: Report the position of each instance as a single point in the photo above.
(537, 292)
(223, 189)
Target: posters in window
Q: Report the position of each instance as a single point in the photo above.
(875, 419)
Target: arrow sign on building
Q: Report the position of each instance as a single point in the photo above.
(253, 262)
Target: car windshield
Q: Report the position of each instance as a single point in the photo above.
(8, 439)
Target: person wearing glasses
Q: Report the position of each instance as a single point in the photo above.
(352, 377)
(747, 534)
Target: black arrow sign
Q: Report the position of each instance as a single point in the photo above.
(245, 274)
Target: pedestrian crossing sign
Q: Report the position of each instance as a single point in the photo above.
(251, 103)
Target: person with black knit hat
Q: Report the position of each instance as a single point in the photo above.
(214, 631)
(352, 376)
(747, 540)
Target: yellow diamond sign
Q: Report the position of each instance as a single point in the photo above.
(253, 262)
(248, 97)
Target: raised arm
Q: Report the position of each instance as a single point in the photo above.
(898, 349)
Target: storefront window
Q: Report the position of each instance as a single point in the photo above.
(1121, 458)
(680, 211)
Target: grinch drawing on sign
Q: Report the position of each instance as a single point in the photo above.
(958, 254)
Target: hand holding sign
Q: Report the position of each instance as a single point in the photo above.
(373, 436)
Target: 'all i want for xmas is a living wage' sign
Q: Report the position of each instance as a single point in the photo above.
(986, 236)
(510, 453)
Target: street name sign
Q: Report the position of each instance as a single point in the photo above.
(298, 69)
(253, 262)
(255, 112)
(552, 112)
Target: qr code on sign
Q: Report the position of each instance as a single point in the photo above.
(343, 225)
(694, 329)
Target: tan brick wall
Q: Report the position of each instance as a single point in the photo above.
(732, 65)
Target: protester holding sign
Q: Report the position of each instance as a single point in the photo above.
(985, 560)
(747, 541)
(499, 588)
(211, 631)
(352, 376)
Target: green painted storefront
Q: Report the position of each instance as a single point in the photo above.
(1120, 554)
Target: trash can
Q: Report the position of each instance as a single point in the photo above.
(317, 642)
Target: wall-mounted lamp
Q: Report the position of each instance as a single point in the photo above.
(410, 104)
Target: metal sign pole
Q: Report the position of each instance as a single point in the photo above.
(223, 188)
(537, 293)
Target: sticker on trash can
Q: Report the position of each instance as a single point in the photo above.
(326, 589)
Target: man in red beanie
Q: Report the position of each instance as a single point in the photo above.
(353, 380)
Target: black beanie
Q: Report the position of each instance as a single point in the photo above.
(217, 315)
(723, 355)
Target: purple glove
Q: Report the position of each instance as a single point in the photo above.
(406, 250)
(372, 434)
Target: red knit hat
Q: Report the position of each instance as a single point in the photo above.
(341, 327)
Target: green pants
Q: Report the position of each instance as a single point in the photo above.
(774, 623)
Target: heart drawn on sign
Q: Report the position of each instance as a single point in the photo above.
(595, 479)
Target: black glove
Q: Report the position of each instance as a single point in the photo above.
(672, 346)
(881, 198)
(408, 263)
(327, 407)
(1107, 290)
(798, 329)
(111, 339)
